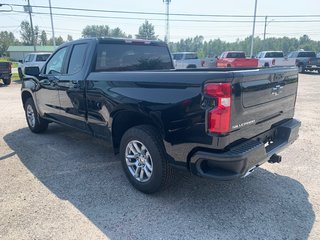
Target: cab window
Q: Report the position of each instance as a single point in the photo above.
(54, 65)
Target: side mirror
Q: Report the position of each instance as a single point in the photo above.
(20, 61)
(32, 71)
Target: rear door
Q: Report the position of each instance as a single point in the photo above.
(72, 89)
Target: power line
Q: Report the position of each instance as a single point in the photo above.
(172, 14)
(173, 20)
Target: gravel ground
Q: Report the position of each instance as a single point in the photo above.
(66, 185)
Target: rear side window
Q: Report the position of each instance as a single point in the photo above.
(131, 57)
(191, 56)
(307, 54)
(77, 58)
(42, 57)
(236, 55)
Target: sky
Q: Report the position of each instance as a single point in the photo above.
(229, 31)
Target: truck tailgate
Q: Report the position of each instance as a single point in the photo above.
(4, 67)
(263, 99)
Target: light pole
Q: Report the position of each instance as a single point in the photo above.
(266, 23)
(52, 28)
(253, 27)
(29, 10)
(167, 2)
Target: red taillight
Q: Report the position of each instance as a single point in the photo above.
(273, 61)
(9, 67)
(219, 117)
(202, 63)
(309, 61)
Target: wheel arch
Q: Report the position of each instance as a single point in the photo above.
(125, 119)
(192, 66)
(25, 95)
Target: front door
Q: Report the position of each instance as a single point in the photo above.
(47, 94)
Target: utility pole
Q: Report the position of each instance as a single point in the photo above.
(52, 28)
(29, 10)
(265, 27)
(167, 37)
(253, 28)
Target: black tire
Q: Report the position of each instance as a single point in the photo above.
(20, 73)
(192, 66)
(7, 81)
(161, 173)
(39, 125)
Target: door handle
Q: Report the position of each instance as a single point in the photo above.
(75, 84)
(45, 82)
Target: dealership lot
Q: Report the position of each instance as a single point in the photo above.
(67, 185)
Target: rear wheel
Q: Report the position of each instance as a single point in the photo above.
(144, 160)
(191, 66)
(301, 69)
(7, 81)
(35, 122)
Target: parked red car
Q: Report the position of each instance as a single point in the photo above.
(236, 59)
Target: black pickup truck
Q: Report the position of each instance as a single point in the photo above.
(216, 123)
(5, 72)
(306, 60)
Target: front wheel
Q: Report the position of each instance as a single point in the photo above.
(20, 73)
(144, 160)
(36, 123)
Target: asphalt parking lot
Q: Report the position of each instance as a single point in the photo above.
(67, 185)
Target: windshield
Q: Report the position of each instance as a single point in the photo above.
(274, 55)
(42, 57)
(131, 57)
(307, 54)
(236, 55)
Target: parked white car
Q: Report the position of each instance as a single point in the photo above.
(32, 60)
(274, 59)
(183, 60)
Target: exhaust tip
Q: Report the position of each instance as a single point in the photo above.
(275, 159)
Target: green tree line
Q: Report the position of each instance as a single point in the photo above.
(217, 46)
(212, 47)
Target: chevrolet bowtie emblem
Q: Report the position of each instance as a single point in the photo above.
(276, 90)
